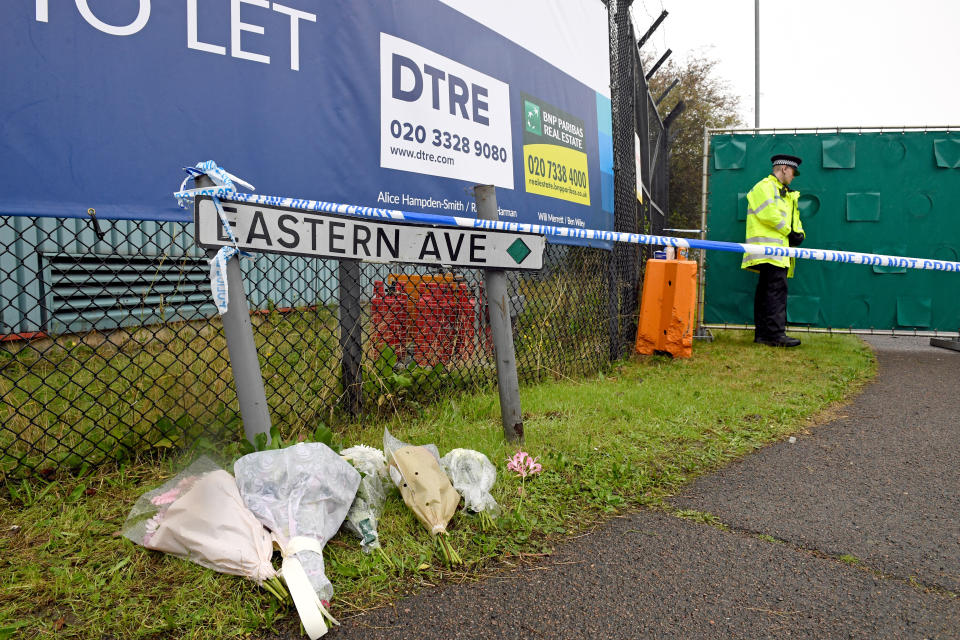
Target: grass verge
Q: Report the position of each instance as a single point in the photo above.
(607, 443)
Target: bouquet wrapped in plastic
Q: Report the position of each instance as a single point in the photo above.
(364, 514)
(302, 494)
(473, 475)
(424, 486)
(199, 515)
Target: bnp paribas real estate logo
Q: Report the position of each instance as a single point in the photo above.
(531, 117)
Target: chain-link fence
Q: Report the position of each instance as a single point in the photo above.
(110, 344)
(641, 144)
(624, 261)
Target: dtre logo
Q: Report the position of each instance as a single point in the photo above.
(466, 99)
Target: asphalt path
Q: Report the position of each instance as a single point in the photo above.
(880, 483)
(860, 526)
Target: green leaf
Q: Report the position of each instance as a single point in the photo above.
(383, 367)
(7, 630)
(323, 434)
(124, 562)
(389, 356)
(401, 381)
(260, 442)
(276, 442)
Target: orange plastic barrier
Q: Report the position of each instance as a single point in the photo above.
(668, 308)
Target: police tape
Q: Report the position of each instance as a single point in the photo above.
(753, 250)
(224, 187)
(826, 255)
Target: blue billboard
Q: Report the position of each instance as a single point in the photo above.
(384, 103)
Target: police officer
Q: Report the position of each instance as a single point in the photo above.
(773, 221)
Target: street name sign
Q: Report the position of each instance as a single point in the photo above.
(291, 231)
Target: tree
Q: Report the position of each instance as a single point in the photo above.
(709, 103)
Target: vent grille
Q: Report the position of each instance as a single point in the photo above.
(106, 292)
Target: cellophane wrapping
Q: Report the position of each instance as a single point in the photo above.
(199, 515)
(364, 514)
(303, 490)
(473, 476)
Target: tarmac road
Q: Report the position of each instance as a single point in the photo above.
(878, 485)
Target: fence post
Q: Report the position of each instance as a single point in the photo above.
(622, 274)
(254, 411)
(351, 348)
(498, 307)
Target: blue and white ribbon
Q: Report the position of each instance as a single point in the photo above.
(223, 188)
(826, 255)
(222, 183)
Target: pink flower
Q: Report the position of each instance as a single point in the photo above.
(524, 465)
(150, 527)
(170, 496)
(167, 497)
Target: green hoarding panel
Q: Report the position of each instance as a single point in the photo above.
(863, 207)
(889, 192)
(839, 153)
(947, 151)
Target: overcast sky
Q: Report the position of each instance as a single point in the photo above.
(824, 62)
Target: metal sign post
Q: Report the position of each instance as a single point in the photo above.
(254, 411)
(350, 318)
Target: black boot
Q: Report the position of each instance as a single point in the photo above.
(781, 341)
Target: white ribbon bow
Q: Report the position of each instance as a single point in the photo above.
(313, 615)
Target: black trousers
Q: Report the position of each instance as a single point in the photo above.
(770, 303)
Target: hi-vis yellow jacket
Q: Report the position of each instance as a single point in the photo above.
(771, 215)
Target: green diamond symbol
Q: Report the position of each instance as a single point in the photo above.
(518, 250)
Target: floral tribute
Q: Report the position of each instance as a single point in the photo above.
(199, 515)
